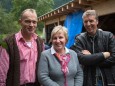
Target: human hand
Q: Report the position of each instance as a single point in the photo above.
(86, 52)
(106, 54)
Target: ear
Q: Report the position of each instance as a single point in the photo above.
(97, 22)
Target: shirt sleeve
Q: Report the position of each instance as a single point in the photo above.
(89, 60)
(4, 66)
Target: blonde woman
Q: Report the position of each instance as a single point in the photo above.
(59, 66)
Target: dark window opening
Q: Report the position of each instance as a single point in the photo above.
(107, 23)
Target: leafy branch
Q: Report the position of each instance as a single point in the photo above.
(2, 42)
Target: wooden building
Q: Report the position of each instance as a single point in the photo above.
(104, 8)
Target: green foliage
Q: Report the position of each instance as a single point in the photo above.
(6, 4)
(7, 24)
(10, 11)
(39, 33)
(41, 6)
(40, 26)
(2, 43)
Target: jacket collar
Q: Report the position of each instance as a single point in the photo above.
(95, 36)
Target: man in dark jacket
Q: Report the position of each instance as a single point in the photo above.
(96, 52)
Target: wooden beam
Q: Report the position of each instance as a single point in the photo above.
(63, 9)
(58, 21)
(55, 12)
(72, 4)
(51, 14)
(67, 6)
(83, 2)
(58, 10)
(90, 2)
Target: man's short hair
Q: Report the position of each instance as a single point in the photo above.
(90, 12)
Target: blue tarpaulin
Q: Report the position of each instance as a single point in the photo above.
(74, 25)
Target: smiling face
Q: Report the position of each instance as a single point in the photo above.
(28, 22)
(59, 41)
(90, 24)
(90, 21)
(59, 38)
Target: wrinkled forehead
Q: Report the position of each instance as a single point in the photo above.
(28, 14)
(90, 16)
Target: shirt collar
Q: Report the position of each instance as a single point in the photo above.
(95, 36)
(53, 50)
(20, 37)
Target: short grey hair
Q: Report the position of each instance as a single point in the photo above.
(90, 12)
(58, 29)
(28, 10)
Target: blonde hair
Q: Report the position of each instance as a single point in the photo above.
(58, 29)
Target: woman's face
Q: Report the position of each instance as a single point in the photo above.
(59, 41)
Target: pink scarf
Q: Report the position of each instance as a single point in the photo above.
(64, 59)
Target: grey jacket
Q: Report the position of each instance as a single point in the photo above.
(50, 74)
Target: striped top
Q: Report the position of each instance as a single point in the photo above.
(4, 65)
(28, 58)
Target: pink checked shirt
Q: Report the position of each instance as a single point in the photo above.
(4, 65)
(28, 58)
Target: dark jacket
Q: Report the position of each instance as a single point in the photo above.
(102, 42)
(13, 77)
